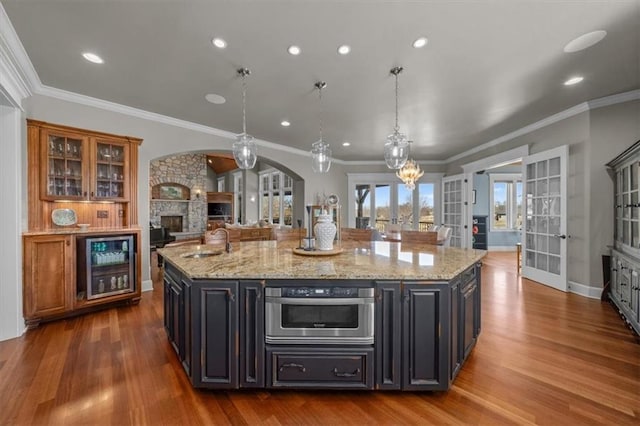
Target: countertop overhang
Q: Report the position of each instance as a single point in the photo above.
(358, 260)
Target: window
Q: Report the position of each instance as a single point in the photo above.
(276, 197)
(221, 184)
(377, 200)
(506, 201)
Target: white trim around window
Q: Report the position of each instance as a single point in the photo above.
(512, 179)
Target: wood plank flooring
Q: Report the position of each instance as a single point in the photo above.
(543, 357)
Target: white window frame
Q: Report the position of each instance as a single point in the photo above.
(238, 196)
(373, 179)
(283, 180)
(221, 184)
(512, 204)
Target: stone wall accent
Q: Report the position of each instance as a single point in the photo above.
(189, 170)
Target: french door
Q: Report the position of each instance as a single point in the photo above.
(454, 189)
(544, 243)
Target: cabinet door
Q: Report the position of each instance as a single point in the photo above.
(185, 325)
(215, 317)
(109, 170)
(251, 334)
(49, 278)
(388, 335)
(468, 318)
(63, 165)
(425, 351)
(455, 355)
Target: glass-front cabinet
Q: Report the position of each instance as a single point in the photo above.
(65, 173)
(624, 288)
(76, 167)
(110, 161)
(627, 206)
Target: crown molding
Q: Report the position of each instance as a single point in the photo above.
(562, 115)
(22, 81)
(14, 64)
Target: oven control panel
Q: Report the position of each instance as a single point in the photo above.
(319, 292)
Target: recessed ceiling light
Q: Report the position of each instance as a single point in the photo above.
(573, 80)
(584, 41)
(294, 50)
(346, 144)
(92, 57)
(344, 49)
(209, 160)
(420, 42)
(215, 99)
(219, 43)
(285, 123)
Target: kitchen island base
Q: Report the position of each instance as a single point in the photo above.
(424, 332)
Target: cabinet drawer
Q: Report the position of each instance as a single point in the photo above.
(468, 275)
(320, 368)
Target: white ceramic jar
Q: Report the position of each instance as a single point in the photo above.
(325, 231)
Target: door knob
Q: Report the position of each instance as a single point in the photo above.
(563, 236)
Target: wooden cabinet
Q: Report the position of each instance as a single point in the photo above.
(251, 334)
(80, 169)
(95, 174)
(625, 257)
(388, 335)
(227, 346)
(425, 350)
(48, 269)
(51, 285)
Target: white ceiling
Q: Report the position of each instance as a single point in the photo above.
(489, 68)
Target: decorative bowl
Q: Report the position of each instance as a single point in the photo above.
(64, 217)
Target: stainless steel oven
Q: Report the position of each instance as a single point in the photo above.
(319, 315)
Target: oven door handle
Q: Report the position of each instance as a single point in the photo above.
(319, 301)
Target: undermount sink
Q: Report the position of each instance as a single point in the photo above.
(200, 254)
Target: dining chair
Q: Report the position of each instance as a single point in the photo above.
(356, 234)
(424, 237)
(290, 234)
(444, 236)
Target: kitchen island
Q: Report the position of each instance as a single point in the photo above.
(423, 314)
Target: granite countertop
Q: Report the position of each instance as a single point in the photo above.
(358, 260)
(74, 229)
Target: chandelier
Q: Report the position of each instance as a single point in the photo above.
(396, 150)
(320, 151)
(244, 148)
(410, 173)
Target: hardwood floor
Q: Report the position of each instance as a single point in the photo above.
(543, 357)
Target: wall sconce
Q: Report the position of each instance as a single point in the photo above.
(253, 198)
(198, 194)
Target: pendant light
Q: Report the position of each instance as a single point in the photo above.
(320, 151)
(410, 173)
(396, 150)
(244, 148)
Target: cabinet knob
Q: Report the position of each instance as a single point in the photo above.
(85, 193)
(92, 193)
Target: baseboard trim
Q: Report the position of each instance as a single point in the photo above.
(502, 248)
(147, 285)
(584, 290)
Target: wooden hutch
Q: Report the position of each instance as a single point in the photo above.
(93, 178)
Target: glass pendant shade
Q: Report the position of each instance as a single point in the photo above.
(320, 157)
(245, 151)
(320, 151)
(410, 173)
(396, 150)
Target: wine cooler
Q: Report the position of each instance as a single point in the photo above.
(106, 266)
